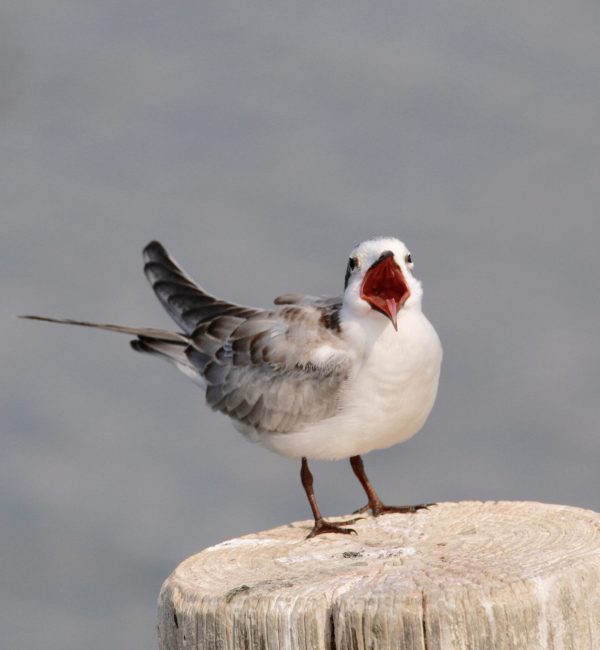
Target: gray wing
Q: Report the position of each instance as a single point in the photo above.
(270, 370)
(275, 371)
(187, 303)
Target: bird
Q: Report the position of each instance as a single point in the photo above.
(313, 377)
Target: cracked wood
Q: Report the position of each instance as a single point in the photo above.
(497, 575)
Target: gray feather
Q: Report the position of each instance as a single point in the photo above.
(149, 332)
(274, 370)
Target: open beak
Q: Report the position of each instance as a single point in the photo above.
(385, 288)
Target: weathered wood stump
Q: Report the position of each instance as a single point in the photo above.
(468, 575)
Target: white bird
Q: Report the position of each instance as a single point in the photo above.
(315, 377)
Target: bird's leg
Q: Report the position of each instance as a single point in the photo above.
(321, 526)
(375, 505)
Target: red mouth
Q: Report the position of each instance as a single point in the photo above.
(385, 288)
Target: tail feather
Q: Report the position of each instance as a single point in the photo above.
(147, 332)
(176, 353)
(171, 346)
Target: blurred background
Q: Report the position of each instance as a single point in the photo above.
(260, 142)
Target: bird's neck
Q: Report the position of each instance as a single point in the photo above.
(370, 327)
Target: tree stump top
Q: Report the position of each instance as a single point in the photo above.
(459, 575)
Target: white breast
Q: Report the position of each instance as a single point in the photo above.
(388, 397)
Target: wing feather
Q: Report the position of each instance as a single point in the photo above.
(273, 370)
(186, 302)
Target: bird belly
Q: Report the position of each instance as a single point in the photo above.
(385, 403)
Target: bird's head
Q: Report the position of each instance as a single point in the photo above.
(379, 278)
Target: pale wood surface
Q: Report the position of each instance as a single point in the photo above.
(467, 575)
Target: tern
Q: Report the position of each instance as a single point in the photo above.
(313, 377)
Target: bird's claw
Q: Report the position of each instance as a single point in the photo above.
(378, 509)
(321, 526)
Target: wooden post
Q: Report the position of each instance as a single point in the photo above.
(470, 575)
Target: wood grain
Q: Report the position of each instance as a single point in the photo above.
(469, 575)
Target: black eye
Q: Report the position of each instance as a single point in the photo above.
(408, 259)
(352, 264)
